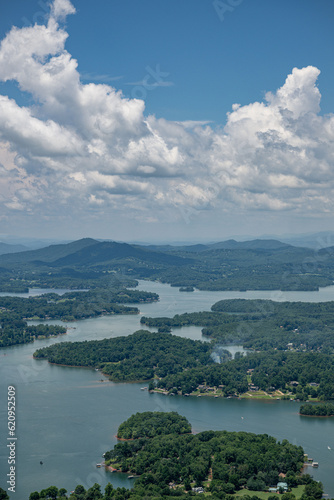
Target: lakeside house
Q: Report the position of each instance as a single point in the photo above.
(198, 489)
(281, 486)
(253, 387)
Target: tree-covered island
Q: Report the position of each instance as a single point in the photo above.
(225, 461)
(168, 461)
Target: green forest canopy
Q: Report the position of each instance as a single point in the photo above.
(151, 424)
(139, 356)
(233, 460)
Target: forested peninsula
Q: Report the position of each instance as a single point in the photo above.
(71, 306)
(317, 410)
(261, 324)
(177, 365)
(140, 356)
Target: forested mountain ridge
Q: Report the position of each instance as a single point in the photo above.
(230, 265)
(106, 252)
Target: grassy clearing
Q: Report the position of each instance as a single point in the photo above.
(264, 495)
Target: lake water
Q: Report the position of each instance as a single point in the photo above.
(68, 417)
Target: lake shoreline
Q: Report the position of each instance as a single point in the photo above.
(65, 394)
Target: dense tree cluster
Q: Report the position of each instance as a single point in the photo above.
(151, 424)
(75, 305)
(147, 489)
(305, 374)
(14, 330)
(139, 356)
(17, 281)
(232, 377)
(302, 375)
(10, 285)
(317, 410)
(282, 369)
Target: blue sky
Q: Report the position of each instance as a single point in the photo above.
(194, 148)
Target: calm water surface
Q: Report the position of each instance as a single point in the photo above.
(67, 417)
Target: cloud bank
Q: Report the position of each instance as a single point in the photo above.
(85, 145)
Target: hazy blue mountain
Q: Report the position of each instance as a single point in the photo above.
(257, 244)
(316, 241)
(8, 248)
(249, 245)
(47, 254)
(184, 248)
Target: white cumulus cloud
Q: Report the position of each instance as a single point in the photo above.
(85, 144)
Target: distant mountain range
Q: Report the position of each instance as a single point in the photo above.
(47, 254)
(87, 252)
(308, 240)
(224, 245)
(8, 248)
(228, 265)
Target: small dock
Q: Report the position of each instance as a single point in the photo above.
(102, 464)
(308, 461)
